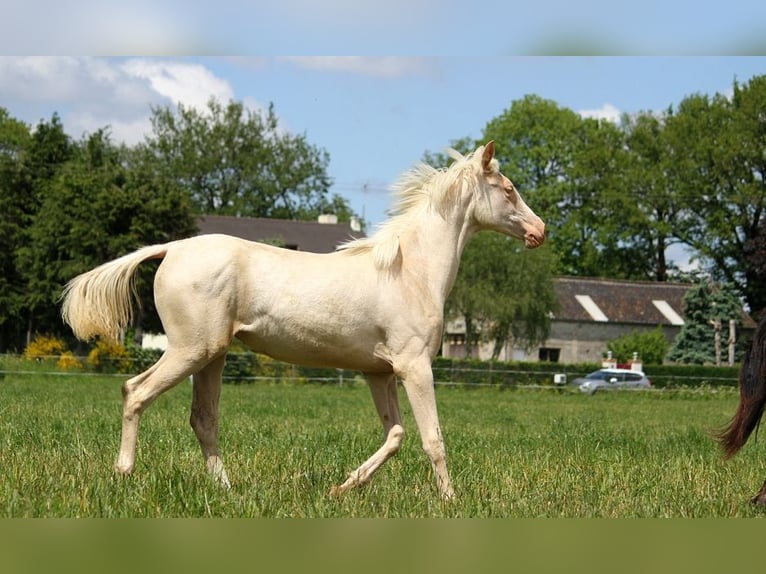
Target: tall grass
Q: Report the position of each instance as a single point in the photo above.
(511, 453)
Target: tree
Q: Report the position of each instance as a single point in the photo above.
(704, 305)
(601, 230)
(503, 291)
(718, 166)
(30, 163)
(236, 161)
(654, 204)
(100, 205)
(572, 171)
(14, 145)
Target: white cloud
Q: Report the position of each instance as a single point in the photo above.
(189, 84)
(606, 112)
(381, 66)
(92, 93)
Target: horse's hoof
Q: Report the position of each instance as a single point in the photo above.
(122, 470)
(760, 498)
(337, 491)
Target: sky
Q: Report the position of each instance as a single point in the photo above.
(383, 27)
(375, 115)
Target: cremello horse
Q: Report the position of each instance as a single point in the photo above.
(376, 305)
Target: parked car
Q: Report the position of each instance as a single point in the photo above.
(612, 379)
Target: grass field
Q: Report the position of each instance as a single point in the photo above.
(511, 453)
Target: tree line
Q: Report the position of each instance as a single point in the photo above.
(615, 196)
(69, 205)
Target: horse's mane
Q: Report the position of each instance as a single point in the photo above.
(422, 187)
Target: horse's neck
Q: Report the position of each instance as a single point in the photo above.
(432, 252)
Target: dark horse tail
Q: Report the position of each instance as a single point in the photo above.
(752, 396)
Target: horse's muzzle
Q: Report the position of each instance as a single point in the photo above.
(535, 236)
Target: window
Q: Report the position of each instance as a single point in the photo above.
(455, 339)
(547, 354)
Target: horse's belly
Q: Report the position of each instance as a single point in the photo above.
(317, 349)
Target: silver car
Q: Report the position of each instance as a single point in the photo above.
(612, 379)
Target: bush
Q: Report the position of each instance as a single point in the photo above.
(44, 347)
(110, 357)
(651, 346)
(67, 361)
(509, 374)
(142, 358)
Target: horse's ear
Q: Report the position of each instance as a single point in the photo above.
(489, 153)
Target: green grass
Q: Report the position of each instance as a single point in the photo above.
(511, 453)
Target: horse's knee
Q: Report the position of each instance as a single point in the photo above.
(395, 438)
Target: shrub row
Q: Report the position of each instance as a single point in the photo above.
(474, 371)
(244, 366)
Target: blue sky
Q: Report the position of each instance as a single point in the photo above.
(376, 116)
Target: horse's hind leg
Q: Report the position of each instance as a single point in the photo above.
(139, 392)
(204, 416)
(383, 388)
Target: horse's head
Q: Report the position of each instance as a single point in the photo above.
(504, 210)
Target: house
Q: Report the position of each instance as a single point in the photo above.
(321, 236)
(592, 312)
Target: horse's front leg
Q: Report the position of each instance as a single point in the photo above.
(418, 381)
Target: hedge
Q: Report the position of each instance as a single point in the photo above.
(245, 366)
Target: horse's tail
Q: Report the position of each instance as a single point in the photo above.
(99, 302)
(752, 396)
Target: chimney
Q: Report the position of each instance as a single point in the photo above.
(328, 218)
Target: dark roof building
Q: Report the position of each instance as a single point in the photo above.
(322, 236)
(593, 311)
(587, 300)
(639, 303)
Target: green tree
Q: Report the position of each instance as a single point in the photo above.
(717, 164)
(235, 161)
(599, 232)
(503, 291)
(15, 141)
(34, 167)
(703, 305)
(653, 205)
(572, 172)
(101, 205)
